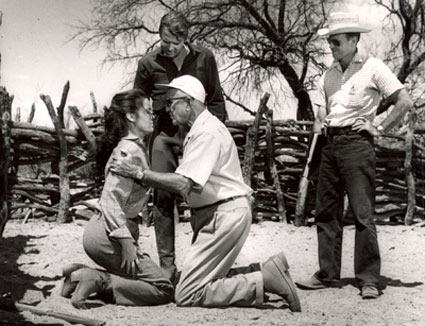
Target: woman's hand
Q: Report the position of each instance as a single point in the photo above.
(129, 256)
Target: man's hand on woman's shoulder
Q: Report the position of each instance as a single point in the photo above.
(121, 164)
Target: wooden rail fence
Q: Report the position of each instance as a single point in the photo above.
(272, 153)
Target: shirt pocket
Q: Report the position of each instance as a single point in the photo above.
(357, 96)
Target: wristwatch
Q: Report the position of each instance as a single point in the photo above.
(380, 129)
(140, 174)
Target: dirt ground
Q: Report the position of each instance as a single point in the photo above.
(32, 255)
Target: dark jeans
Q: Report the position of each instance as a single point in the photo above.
(347, 165)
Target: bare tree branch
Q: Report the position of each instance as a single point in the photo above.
(243, 107)
(263, 38)
(411, 44)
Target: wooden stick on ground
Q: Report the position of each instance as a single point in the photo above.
(30, 211)
(67, 317)
(8, 304)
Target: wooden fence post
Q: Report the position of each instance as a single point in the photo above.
(32, 113)
(410, 179)
(5, 137)
(61, 107)
(60, 116)
(251, 141)
(273, 170)
(93, 102)
(18, 114)
(88, 134)
(63, 214)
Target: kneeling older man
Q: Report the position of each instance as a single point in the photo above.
(209, 177)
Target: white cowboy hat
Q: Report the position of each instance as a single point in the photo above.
(189, 85)
(343, 22)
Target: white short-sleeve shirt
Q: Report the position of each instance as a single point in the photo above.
(211, 161)
(356, 92)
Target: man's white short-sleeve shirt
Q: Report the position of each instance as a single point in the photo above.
(356, 92)
(211, 161)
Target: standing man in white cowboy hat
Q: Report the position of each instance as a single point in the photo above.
(350, 92)
(210, 178)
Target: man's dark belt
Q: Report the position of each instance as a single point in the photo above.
(335, 131)
(218, 202)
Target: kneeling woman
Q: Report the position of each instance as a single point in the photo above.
(110, 238)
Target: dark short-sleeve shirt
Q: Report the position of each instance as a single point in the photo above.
(155, 68)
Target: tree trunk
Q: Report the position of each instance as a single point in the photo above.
(305, 109)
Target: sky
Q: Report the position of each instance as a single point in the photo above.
(38, 58)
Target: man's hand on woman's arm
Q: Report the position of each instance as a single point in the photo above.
(172, 182)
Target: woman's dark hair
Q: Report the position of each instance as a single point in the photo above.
(176, 23)
(116, 124)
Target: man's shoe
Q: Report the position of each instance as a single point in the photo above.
(313, 283)
(89, 281)
(277, 280)
(68, 287)
(369, 292)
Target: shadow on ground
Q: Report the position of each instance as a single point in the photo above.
(383, 284)
(15, 282)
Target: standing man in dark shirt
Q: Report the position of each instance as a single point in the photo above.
(174, 57)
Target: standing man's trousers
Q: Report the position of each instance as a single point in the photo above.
(164, 160)
(149, 287)
(347, 165)
(219, 234)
